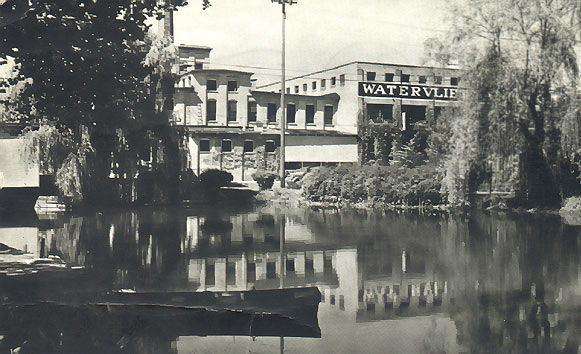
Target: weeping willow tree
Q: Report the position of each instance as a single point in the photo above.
(521, 87)
(99, 84)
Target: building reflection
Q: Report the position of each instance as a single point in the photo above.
(505, 282)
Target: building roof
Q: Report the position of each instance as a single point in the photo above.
(190, 46)
(265, 131)
(291, 95)
(217, 71)
(358, 62)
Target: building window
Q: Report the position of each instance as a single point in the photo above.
(270, 146)
(252, 111)
(271, 113)
(226, 145)
(297, 89)
(437, 80)
(211, 110)
(204, 145)
(304, 87)
(288, 90)
(212, 85)
(423, 79)
(342, 79)
(370, 76)
(314, 85)
(232, 86)
(248, 146)
(290, 113)
(333, 81)
(454, 81)
(323, 83)
(231, 115)
(405, 78)
(310, 114)
(328, 115)
(389, 77)
(199, 66)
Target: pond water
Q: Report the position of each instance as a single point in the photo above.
(389, 283)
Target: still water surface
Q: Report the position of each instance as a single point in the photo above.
(389, 283)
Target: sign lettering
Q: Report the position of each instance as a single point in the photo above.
(378, 89)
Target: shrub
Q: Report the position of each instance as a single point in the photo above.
(396, 184)
(265, 179)
(215, 179)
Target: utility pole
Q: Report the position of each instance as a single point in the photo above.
(282, 91)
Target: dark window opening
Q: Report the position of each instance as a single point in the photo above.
(271, 270)
(290, 113)
(342, 79)
(389, 77)
(210, 275)
(198, 66)
(323, 83)
(304, 87)
(292, 165)
(212, 85)
(271, 113)
(370, 76)
(231, 273)
(310, 114)
(332, 299)
(226, 145)
(405, 78)
(314, 85)
(333, 81)
(380, 112)
(232, 86)
(297, 89)
(341, 302)
(248, 146)
(231, 116)
(410, 116)
(423, 79)
(251, 271)
(454, 81)
(270, 146)
(288, 90)
(211, 110)
(204, 145)
(252, 111)
(290, 265)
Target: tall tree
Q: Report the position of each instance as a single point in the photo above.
(521, 65)
(94, 74)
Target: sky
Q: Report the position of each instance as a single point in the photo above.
(320, 34)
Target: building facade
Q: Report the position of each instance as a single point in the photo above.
(231, 124)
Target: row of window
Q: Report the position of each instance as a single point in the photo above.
(212, 85)
(270, 145)
(422, 79)
(231, 115)
(323, 82)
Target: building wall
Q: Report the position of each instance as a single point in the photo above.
(16, 170)
(321, 149)
(233, 161)
(192, 97)
(347, 110)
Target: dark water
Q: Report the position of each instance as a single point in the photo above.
(389, 283)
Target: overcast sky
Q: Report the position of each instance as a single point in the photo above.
(245, 34)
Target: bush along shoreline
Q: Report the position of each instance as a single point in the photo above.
(395, 186)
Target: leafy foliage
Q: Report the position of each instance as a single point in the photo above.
(265, 179)
(521, 75)
(92, 73)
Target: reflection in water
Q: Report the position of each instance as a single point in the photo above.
(395, 283)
